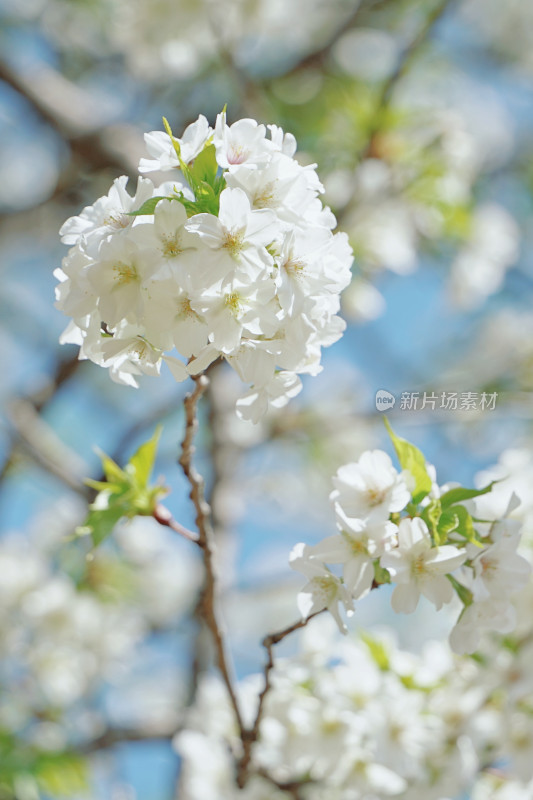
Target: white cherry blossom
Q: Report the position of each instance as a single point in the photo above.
(494, 615)
(370, 489)
(419, 568)
(160, 146)
(238, 236)
(498, 569)
(243, 142)
(323, 590)
(356, 547)
(110, 214)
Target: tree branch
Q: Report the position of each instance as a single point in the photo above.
(75, 115)
(112, 736)
(63, 372)
(207, 604)
(268, 643)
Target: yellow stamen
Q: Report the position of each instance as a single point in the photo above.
(171, 246)
(124, 273)
(118, 220)
(232, 301)
(418, 566)
(294, 266)
(266, 198)
(233, 242)
(375, 496)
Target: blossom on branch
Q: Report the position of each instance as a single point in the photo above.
(235, 258)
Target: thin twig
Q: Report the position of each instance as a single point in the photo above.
(164, 517)
(268, 643)
(207, 603)
(291, 787)
(113, 736)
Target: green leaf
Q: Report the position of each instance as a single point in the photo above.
(447, 523)
(175, 143)
(100, 523)
(431, 516)
(464, 594)
(458, 494)
(26, 771)
(126, 493)
(177, 149)
(205, 167)
(411, 458)
(456, 519)
(141, 463)
(381, 575)
(148, 207)
(111, 469)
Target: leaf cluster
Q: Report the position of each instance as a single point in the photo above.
(203, 178)
(126, 492)
(445, 515)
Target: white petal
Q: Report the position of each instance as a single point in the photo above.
(405, 598)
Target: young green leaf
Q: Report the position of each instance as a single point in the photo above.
(177, 149)
(457, 519)
(111, 469)
(205, 167)
(459, 494)
(431, 516)
(411, 458)
(126, 493)
(100, 523)
(464, 594)
(141, 463)
(148, 207)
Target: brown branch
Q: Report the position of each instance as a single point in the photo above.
(207, 604)
(112, 736)
(45, 447)
(75, 115)
(268, 643)
(291, 787)
(39, 399)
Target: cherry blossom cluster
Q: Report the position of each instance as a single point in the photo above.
(359, 717)
(425, 543)
(233, 258)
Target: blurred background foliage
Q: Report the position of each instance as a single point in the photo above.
(419, 116)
